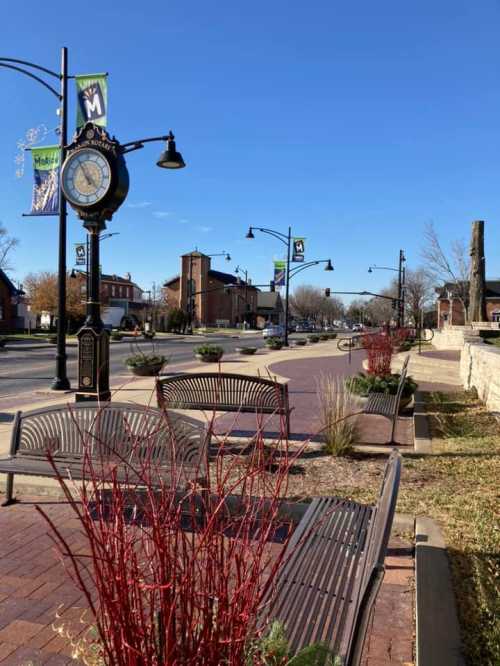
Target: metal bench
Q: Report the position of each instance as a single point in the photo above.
(224, 392)
(383, 404)
(327, 587)
(114, 436)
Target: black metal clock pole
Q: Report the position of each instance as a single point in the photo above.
(93, 339)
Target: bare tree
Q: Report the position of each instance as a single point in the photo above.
(7, 244)
(309, 302)
(453, 269)
(419, 292)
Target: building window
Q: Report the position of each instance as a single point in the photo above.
(1, 312)
(113, 290)
(495, 315)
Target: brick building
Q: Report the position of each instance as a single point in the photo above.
(10, 298)
(450, 310)
(119, 292)
(218, 306)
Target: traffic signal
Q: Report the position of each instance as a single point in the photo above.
(327, 292)
(272, 286)
(394, 304)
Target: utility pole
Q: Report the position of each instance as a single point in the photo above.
(477, 307)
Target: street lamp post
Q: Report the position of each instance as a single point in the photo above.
(286, 239)
(401, 271)
(61, 381)
(244, 270)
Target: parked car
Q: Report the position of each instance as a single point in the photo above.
(273, 331)
(301, 328)
(328, 328)
(357, 327)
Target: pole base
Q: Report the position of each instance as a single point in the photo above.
(98, 396)
(60, 384)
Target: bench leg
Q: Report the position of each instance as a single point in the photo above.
(9, 491)
(393, 429)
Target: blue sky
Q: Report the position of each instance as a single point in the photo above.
(354, 122)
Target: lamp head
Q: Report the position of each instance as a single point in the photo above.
(329, 266)
(170, 158)
(370, 270)
(228, 257)
(72, 275)
(250, 233)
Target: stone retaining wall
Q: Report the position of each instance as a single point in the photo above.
(454, 337)
(480, 368)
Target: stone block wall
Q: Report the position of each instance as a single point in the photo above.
(454, 337)
(480, 368)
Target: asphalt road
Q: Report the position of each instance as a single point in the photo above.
(31, 370)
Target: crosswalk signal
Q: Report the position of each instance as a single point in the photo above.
(272, 286)
(327, 292)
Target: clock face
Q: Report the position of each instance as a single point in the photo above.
(86, 177)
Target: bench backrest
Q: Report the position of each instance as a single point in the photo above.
(102, 429)
(377, 541)
(223, 391)
(402, 378)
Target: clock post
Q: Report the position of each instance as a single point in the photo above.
(93, 338)
(95, 181)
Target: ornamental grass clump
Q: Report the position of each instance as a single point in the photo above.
(176, 573)
(339, 409)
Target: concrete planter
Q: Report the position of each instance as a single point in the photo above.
(209, 358)
(147, 370)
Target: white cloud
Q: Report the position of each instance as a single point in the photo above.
(183, 221)
(160, 214)
(139, 204)
(204, 230)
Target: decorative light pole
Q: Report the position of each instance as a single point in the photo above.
(401, 271)
(61, 381)
(286, 239)
(95, 181)
(237, 270)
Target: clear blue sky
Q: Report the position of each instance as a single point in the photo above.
(355, 122)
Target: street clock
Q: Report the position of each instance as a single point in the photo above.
(94, 176)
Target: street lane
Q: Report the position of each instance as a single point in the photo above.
(31, 370)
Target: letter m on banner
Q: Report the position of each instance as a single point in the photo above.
(92, 92)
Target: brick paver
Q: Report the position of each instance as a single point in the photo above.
(305, 423)
(38, 587)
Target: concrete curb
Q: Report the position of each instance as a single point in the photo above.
(421, 430)
(438, 633)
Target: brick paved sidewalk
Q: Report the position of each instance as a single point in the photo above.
(33, 585)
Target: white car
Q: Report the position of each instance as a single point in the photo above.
(273, 331)
(357, 327)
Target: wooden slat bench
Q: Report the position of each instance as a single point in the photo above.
(386, 405)
(108, 433)
(327, 587)
(224, 392)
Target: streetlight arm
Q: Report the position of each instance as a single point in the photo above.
(297, 269)
(277, 234)
(384, 268)
(136, 145)
(32, 76)
(31, 64)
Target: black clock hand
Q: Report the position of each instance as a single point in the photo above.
(86, 174)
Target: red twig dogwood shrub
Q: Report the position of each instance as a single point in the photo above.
(176, 574)
(379, 349)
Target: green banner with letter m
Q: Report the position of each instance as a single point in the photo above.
(92, 97)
